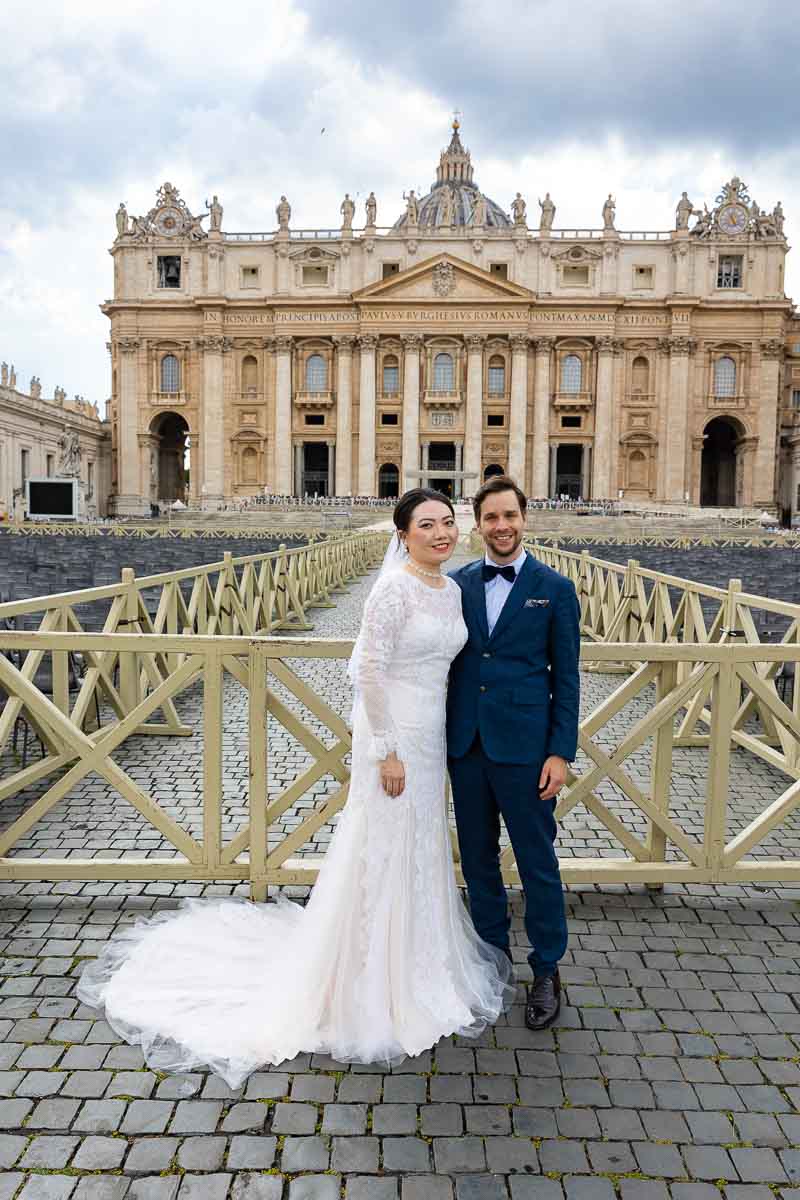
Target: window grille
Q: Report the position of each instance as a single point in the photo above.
(497, 377)
(725, 377)
(443, 373)
(571, 374)
(729, 271)
(170, 374)
(316, 374)
(391, 374)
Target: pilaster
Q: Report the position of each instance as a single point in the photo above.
(412, 345)
(540, 483)
(283, 416)
(473, 419)
(344, 414)
(366, 416)
(518, 420)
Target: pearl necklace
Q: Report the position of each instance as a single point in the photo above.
(422, 571)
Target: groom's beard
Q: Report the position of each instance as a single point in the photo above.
(506, 551)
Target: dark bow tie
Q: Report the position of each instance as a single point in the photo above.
(490, 573)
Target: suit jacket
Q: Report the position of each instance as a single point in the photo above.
(520, 687)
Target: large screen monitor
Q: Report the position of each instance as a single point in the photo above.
(52, 499)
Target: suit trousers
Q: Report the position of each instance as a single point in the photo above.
(483, 791)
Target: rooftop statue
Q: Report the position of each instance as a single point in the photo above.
(372, 209)
(412, 211)
(36, 388)
(4, 374)
(548, 214)
(609, 212)
(479, 210)
(348, 210)
(518, 208)
(284, 213)
(215, 212)
(446, 208)
(122, 220)
(683, 212)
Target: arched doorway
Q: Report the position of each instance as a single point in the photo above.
(388, 482)
(442, 458)
(492, 469)
(169, 458)
(718, 464)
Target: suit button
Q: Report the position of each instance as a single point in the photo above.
(486, 654)
(483, 689)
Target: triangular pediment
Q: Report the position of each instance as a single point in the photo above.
(443, 278)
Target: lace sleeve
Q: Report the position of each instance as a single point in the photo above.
(382, 620)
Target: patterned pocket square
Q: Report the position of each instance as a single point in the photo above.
(536, 603)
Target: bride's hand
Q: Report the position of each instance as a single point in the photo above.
(393, 775)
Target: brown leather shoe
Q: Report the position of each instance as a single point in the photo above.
(544, 1001)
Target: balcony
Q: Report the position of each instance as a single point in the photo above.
(640, 398)
(432, 399)
(315, 399)
(573, 399)
(738, 401)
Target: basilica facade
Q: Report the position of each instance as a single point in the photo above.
(460, 341)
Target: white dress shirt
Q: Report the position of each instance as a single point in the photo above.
(497, 589)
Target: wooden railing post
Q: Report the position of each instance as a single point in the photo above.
(661, 767)
(129, 661)
(724, 703)
(257, 796)
(226, 614)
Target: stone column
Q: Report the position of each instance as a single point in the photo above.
(553, 468)
(676, 485)
(603, 418)
(212, 423)
(412, 344)
(518, 420)
(473, 420)
(586, 472)
(458, 484)
(344, 415)
(297, 490)
(332, 456)
(366, 416)
(426, 459)
(541, 483)
(662, 414)
(283, 416)
(128, 500)
(768, 400)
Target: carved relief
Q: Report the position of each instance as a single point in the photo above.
(444, 279)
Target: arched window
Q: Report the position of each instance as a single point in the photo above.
(571, 373)
(497, 375)
(391, 375)
(388, 481)
(170, 374)
(443, 373)
(249, 374)
(640, 375)
(316, 374)
(725, 376)
(637, 470)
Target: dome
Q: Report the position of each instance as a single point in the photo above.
(455, 199)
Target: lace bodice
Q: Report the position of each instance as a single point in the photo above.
(410, 633)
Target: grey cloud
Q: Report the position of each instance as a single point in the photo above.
(717, 71)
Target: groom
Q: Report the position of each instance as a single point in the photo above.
(512, 727)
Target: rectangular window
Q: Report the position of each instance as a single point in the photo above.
(495, 420)
(390, 268)
(499, 269)
(497, 380)
(315, 418)
(575, 276)
(796, 398)
(51, 465)
(25, 465)
(391, 379)
(169, 270)
(570, 422)
(389, 419)
(315, 276)
(729, 271)
(249, 277)
(643, 277)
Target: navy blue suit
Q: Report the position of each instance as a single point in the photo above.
(512, 701)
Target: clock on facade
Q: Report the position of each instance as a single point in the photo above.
(733, 219)
(169, 222)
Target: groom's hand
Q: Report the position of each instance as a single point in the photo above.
(393, 775)
(553, 777)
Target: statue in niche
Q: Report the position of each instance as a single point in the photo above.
(215, 212)
(70, 461)
(446, 208)
(548, 214)
(412, 209)
(122, 220)
(36, 388)
(372, 209)
(4, 374)
(348, 210)
(283, 213)
(519, 209)
(683, 212)
(479, 210)
(609, 212)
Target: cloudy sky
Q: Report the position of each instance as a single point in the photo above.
(102, 102)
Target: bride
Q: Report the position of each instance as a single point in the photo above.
(383, 960)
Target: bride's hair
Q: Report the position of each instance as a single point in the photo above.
(404, 509)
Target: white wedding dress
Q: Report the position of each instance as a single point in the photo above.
(383, 960)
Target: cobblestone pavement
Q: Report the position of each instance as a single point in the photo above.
(673, 1072)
